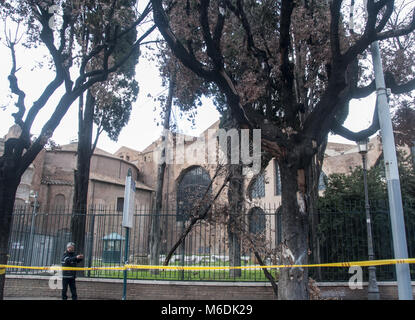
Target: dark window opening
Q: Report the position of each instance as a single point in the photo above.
(120, 204)
(256, 220)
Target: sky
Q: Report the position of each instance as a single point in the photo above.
(142, 129)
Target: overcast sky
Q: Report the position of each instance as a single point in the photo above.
(141, 129)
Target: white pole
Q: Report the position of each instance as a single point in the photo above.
(392, 175)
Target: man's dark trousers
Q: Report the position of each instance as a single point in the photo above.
(71, 283)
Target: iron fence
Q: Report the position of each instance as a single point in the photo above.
(342, 236)
(39, 239)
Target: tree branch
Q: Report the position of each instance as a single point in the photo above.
(14, 87)
(286, 66)
(188, 60)
(259, 54)
(400, 32)
(41, 101)
(100, 129)
(47, 37)
(369, 35)
(356, 136)
(390, 82)
(213, 49)
(194, 220)
(334, 29)
(143, 15)
(101, 72)
(220, 77)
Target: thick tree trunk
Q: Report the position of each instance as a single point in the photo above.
(293, 282)
(9, 181)
(7, 195)
(155, 237)
(313, 180)
(235, 199)
(81, 175)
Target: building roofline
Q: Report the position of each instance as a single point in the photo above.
(110, 156)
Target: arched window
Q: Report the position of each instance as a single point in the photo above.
(258, 187)
(59, 202)
(192, 187)
(256, 220)
(19, 205)
(277, 178)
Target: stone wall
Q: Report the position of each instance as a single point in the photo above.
(111, 289)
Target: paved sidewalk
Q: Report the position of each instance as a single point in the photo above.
(31, 298)
(40, 298)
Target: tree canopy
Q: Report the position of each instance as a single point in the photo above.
(289, 68)
(288, 62)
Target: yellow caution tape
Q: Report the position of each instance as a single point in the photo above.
(195, 268)
(2, 270)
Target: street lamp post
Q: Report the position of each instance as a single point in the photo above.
(373, 290)
(32, 227)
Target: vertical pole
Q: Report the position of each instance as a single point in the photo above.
(127, 240)
(32, 230)
(183, 249)
(91, 241)
(392, 176)
(127, 221)
(373, 289)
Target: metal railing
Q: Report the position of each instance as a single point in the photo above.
(39, 240)
(342, 236)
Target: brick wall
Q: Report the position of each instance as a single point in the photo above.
(111, 289)
(37, 286)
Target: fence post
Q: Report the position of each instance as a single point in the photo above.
(91, 240)
(29, 254)
(127, 221)
(183, 249)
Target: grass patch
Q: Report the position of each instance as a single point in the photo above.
(184, 275)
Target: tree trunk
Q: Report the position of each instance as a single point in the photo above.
(155, 238)
(293, 282)
(9, 181)
(81, 175)
(313, 180)
(235, 199)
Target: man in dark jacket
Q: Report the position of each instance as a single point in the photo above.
(70, 259)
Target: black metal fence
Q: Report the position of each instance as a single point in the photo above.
(342, 236)
(39, 239)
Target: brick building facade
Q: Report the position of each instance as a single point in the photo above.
(51, 175)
